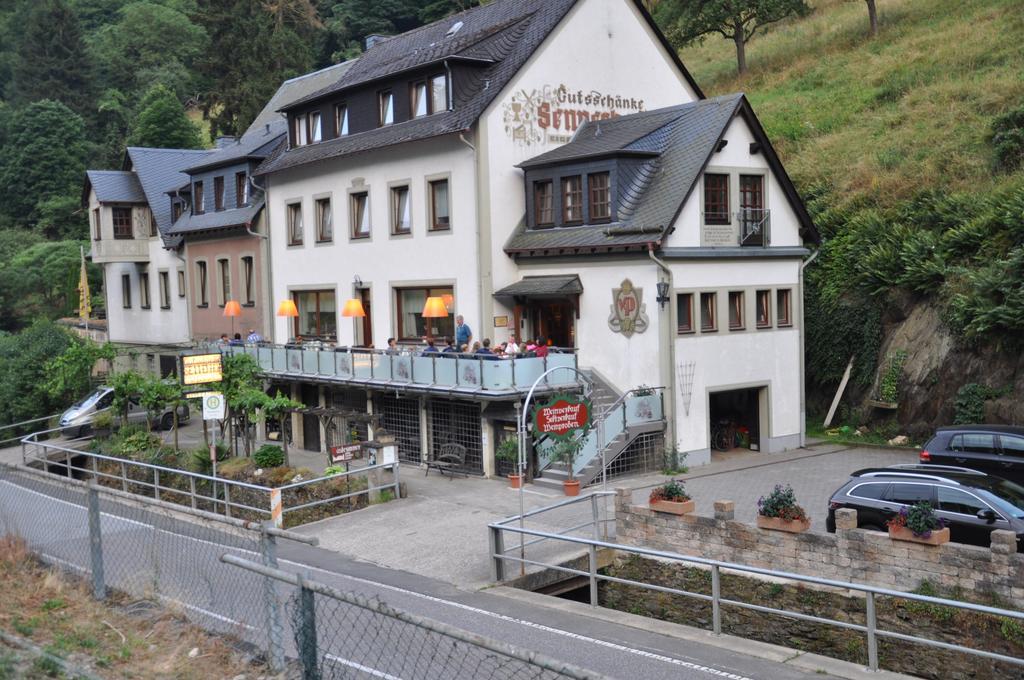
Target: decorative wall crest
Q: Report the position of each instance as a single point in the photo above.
(628, 310)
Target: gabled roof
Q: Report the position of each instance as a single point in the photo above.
(298, 88)
(114, 186)
(217, 219)
(554, 285)
(256, 144)
(159, 171)
(683, 137)
(499, 36)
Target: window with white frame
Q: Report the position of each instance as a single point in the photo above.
(294, 224)
(316, 133)
(224, 272)
(181, 283)
(440, 211)
(401, 212)
(764, 309)
(165, 290)
(708, 312)
(202, 285)
(386, 103)
(324, 221)
(340, 120)
(126, 291)
(783, 313)
(736, 321)
(144, 290)
(248, 280)
(360, 214)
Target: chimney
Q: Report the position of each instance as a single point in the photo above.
(224, 141)
(375, 38)
(266, 128)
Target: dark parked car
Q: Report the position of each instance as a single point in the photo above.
(972, 503)
(994, 449)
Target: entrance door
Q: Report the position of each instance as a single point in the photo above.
(553, 319)
(365, 329)
(310, 423)
(736, 419)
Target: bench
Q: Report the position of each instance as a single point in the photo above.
(451, 457)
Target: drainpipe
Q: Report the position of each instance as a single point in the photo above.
(803, 361)
(184, 261)
(480, 260)
(268, 302)
(667, 359)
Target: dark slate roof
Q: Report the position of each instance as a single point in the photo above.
(255, 144)
(684, 137)
(115, 186)
(500, 36)
(218, 219)
(298, 88)
(159, 171)
(540, 286)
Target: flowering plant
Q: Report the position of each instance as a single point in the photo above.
(920, 518)
(669, 491)
(781, 503)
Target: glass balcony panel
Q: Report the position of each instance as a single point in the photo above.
(343, 364)
(309, 361)
(587, 453)
(265, 358)
(545, 450)
(326, 362)
(382, 366)
(613, 423)
(401, 367)
(293, 360)
(445, 372)
(643, 409)
(497, 374)
(423, 369)
(528, 370)
(279, 359)
(468, 372)
(562, 377)
(362, 364)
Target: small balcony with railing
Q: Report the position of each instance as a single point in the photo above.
(121, 234)
(482, 377)
(745, 227)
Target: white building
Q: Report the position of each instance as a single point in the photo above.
(417, 174)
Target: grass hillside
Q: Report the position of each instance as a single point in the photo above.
(881, 120)
(890, 141)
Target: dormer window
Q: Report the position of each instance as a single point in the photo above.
(387, 108)
(429, 96)
(716, 199)
(600, 197)
(340, 120)
(218, 193)
(418, 99)
(572, 200)
(316, 133)
(300, 131)
(176, 210)
(197, 199)
(543, 203)
(241, 190)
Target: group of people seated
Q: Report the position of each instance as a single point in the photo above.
(482, 349)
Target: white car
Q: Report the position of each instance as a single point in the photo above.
(77, 420)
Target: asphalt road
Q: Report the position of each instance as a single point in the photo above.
(178, 562)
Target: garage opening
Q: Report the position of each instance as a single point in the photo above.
(736, 419)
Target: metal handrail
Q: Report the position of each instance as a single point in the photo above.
(870, 628)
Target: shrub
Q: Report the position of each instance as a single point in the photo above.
(508, 450)
(201, 458)
(969, 405)
(781, 503)
(920, 518)
(235, 468)
(333, 470)
(669, 491)
(268, 456)
(133, 441)
(889, 390)
(1008, 140)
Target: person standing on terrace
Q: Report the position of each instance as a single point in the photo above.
(463, 333)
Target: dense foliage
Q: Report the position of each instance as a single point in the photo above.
(162, 123)
(24, 358)
(920, 518)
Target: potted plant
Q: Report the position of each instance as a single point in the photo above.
(103, 423)
(671, 497)
(508, 450)
(780, 511)
(918, 524)
(565, 452)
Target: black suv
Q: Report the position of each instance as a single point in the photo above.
(992, 449)
(972, 503)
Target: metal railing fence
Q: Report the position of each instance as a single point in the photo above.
(53, 419)
(223, 574)
(499, 554)
(207, 492)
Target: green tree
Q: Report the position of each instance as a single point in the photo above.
(737, 20)
(42, 281)
(69, 375)
(52, 61)
(23, 372)
(127, 386)
(162, 123)
(43, 158)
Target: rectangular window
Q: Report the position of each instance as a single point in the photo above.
(418, 101)
(438, 93)
(144, 290)
(716, 199)
(96, 224)
(401, 212)
(126, 291)
(224, 271)
(708, 317)
(181, 283)
(543, 203)
(218, 193)
(783, 316)
(340, 120)
(150, 222)
(197, 199)
(177, 207)
(440, 218)
(600, 197)
(764, 309)
(318, 314)
(736, 311)
(572, 200)
(751, 192)
(360, 215)
(122, 222)
(684, 313)
(248, 280)
(165, 290)
(295, 224)
(324, 221)
(241, 189)
(386, 115)
(203, 297)
(316, 133)
(300, 130)
(411, 325)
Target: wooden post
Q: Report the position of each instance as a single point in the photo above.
(839, 392)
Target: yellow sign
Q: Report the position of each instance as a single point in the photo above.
(199, 369)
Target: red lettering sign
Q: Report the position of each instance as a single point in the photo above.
(562, 416)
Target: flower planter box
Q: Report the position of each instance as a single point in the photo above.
(673, 507)
(778, 524)
(937, 537)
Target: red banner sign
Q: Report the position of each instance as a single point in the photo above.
(340, 454)
(562, 416)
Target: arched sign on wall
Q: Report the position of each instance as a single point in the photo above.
(629, 313)
(561, 416)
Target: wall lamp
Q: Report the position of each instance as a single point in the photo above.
(663, 297)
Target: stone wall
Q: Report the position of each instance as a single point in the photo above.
(851, 554)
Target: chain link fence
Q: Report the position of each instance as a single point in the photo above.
(223, 575)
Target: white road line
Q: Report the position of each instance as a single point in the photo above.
(457, 605)
(360, 667)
